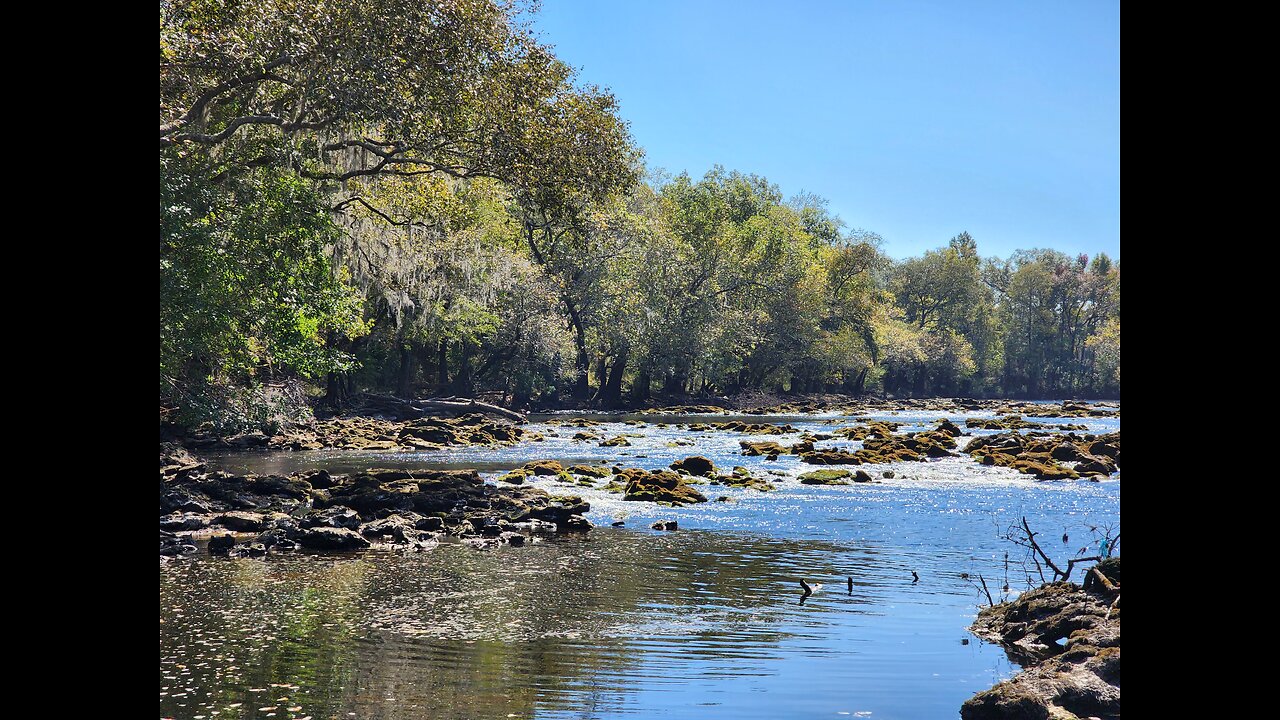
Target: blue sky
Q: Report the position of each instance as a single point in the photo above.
(916, 120)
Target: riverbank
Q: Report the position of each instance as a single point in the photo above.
(1067, 637)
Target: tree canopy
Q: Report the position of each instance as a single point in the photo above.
(421, 198)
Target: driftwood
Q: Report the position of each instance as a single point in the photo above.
(408, 409)
(1095, 578)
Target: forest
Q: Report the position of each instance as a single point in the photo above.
(450, 211)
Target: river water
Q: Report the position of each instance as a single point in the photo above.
(704, 622)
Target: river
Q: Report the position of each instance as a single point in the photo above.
(704, 622)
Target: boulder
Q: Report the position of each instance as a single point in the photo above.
(830, 457)
(1043, 471)
(658, 486)
(544, 467)
(950, 428)
(242, 521)
(328, 538)
(695, 465)
(176, 522)
(337, 516)
(221, 544)
(761, 448)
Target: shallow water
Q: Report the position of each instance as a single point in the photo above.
(629, 622)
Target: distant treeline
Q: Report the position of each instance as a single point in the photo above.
(448, 211)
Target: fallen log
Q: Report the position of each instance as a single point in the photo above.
(461, 405)
(410, 409)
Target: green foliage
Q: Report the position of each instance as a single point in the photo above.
(245, 280)
(247, 288)
(445, 208)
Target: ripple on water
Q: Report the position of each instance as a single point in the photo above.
(702, 622)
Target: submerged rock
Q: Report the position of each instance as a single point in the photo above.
(242, 521)
(183, 521)
(741, 477)
(337, 516)
(221, 544)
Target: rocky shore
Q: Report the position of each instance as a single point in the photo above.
(1067, 638)
(258, 514)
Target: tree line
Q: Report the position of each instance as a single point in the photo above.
(420, 198)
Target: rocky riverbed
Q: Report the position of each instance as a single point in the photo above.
(257, 514)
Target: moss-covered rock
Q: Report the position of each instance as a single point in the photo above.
(661, 486)
(1044, 471)
(515, 477)
(543, 467)
(830, 457)
(826, 477)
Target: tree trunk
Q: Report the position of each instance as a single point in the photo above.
(581, 362)
(404, 380)
(442, 364)
(674, 383)
(860, 385)
(640, 391)
(335, 392)
(426, 358)
(612, 393)
(462, 384)
(600, 377)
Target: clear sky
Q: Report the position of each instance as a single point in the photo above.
(916, 120)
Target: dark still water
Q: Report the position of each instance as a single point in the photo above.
(628, 622)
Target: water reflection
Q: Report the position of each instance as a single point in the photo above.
(575, 628)
(708, 621)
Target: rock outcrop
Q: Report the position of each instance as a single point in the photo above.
(1068, 639)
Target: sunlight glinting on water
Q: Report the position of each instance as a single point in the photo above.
(706, 621)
